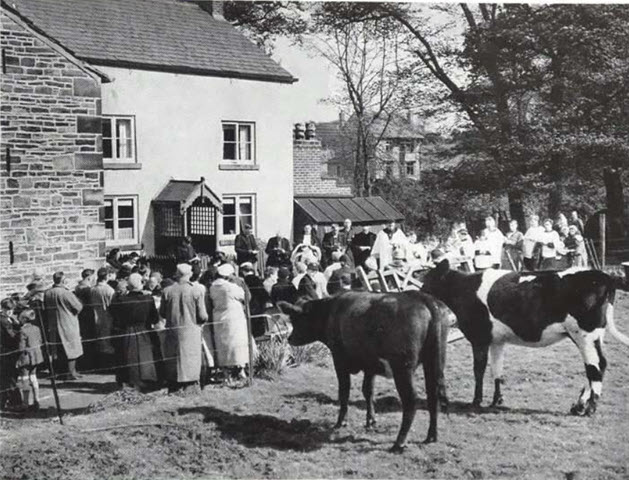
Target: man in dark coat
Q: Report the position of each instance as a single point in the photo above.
(185, 251)
(362, 244)
(332, 242)
(9, 342)
(284, 288)
(138, 351)
(278, 251)
(246, 247)
(259, 297)
(335, 283)
(87, 326)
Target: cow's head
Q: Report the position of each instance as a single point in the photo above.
(435, 281)
(307, 322)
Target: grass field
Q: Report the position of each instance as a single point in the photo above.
(282, 428)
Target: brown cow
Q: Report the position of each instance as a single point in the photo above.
(381, 334)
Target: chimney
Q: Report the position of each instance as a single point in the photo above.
(311, 130)
(213, 7)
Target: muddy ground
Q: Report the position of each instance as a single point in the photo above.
(282, 428)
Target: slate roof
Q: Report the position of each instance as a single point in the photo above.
(360, 210)
(166, 35)
(398, 127)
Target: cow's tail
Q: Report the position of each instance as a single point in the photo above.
(611, 324)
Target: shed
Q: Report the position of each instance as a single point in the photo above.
(323, 211)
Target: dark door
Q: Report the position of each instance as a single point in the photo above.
(201, 218)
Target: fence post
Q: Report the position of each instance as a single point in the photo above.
(602, 236)
(50, 361)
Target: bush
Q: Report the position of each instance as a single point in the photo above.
(276, 355)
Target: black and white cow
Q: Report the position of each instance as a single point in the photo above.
(496, 307)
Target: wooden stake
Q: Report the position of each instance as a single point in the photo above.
(602, 220)
(250, 340)
(50, 363)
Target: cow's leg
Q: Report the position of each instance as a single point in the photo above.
(343, 376)
(368, 381)
(496, 354)
(403, 377)
(480, 365)
(433, 385)
(591, 347)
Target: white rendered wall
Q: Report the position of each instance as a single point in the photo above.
(179, 135)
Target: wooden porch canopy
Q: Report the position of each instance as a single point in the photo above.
(186, 208)
(182, 193)
(360, 210)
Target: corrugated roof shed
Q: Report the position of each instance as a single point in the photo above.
(360, 210)
(167, 35)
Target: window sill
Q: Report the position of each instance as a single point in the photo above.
(124, 247)
(238, 166)
(226, 242)
(121, 165)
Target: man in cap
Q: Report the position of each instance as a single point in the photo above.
(183, 307)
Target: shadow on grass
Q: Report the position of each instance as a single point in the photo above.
(41, 414)
(391, 403)
(264, 430)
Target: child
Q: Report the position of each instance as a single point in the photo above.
(30, 357)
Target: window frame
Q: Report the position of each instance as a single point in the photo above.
(113, 118)
(412, 165)
(239, 161)
(254, 211)
(115, 219)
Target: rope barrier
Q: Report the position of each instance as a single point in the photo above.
(99, 339)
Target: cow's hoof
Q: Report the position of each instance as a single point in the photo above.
(498, 402)
(371, 422)
(475, 406)
(578, 409)
(397, 448)
(339, 425)
(590, 409)
(445, 405)
(431, 439)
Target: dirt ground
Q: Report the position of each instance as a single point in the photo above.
(282, 428)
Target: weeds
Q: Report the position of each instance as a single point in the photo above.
(276, 355)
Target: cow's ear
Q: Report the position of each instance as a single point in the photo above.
(442, 267)
(288, 308)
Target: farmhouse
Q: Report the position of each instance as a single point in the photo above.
(130, 123)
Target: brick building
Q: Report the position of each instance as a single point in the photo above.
(51, 186)
(321, 198)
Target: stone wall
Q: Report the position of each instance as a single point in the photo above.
(51, 184)
(310, 170)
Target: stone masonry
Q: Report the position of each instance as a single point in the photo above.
(51, 183)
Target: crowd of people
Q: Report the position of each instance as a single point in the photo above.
(150, 330)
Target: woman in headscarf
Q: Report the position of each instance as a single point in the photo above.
(135, 315)
(231, 339)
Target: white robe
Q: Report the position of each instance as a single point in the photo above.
(383, 246)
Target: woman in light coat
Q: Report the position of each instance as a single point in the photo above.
(231, 339)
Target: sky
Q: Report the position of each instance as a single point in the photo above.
(317, 81)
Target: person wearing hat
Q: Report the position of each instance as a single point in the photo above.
(278, 250)
(361, 246)
(231, 338)
(62, 308)
(100, 299)
(86, 317)
(183, 308)
(138, 348)
(313, 285)
(246, 246)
